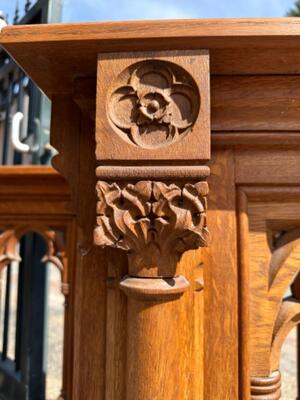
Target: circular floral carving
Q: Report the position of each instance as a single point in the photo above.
(153, 103)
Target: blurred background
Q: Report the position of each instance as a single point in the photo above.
(32, 324)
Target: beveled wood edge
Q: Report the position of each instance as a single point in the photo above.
(28, 171)
(213, 31)
(32, 183)
(270, 193)
(255, 138)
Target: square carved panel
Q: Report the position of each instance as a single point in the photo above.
(153, 106)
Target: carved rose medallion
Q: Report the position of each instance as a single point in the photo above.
(153, 103)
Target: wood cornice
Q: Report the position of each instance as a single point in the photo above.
(211, 33)
(237, 46)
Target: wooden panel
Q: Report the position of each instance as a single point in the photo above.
(33, 190)
(220, 280)
(255, 61)
(255, 139)
(268, 166)
(255, 103)
(153, 106)
(91, 290)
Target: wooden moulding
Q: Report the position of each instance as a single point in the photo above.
(237, 46)
(167, 173)
(154, 289)
(266, 388)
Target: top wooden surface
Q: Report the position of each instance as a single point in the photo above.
(212, 33)
(55, 55)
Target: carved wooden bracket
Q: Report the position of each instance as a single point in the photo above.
(153, 137)
(154, 222)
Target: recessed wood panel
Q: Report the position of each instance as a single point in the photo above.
(268, 166)
(249, 103)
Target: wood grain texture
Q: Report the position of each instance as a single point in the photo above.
(265, 103)
(220, 278)
(42, 189)
(116, 326)
(268, 166)
(271, 255)
(91, 289)
(243, 293)
(256, 139)
(234, 30)
(272, 46)
(154, 106)
(228, 317)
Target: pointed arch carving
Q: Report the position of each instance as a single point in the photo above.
(55, 248)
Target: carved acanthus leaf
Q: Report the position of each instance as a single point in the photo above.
(154, 222)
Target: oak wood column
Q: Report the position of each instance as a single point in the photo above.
(153, 139)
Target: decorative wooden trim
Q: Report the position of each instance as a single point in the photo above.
(283, 313)
(153, 221)
(152, 139)
(276, 193)
(154, 289)
(238, 47)
(153, 106)
(255, 139)
(244, 285)
(56, 252)
(167, 173)
(266, 388)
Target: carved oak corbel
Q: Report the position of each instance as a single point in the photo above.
(153, 139)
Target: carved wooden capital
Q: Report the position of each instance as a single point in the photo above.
(152, 143)
(155, 222)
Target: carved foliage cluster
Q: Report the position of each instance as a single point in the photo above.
(153, 103)
(154, 222)
(55, 253)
